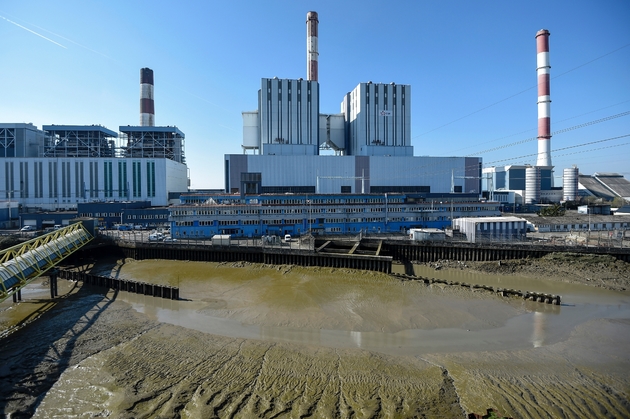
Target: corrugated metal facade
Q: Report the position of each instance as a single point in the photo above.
(328, 174)
(289, 112)
(378, 115)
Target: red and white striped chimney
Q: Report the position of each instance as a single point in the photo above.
(311, 46)
(147, 107)
(544, 98)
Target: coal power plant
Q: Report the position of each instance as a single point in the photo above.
(288, 146)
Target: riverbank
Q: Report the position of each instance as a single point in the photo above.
(250, 340)
(602, 271)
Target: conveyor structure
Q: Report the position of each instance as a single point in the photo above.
(21, 264)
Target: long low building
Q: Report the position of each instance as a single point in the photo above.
(573, 222)
(203, 215)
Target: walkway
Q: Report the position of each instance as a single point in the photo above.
(21, 264)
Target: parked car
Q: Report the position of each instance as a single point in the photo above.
(169, 239)
(156, 237)
(27, 228)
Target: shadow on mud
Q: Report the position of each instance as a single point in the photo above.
(35, 355)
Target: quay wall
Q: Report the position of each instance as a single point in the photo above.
(389, 251)
(257, 254)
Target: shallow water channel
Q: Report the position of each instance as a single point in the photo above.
(346, 309)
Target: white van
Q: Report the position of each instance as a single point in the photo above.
(287, 238)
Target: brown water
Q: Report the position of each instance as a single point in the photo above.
(370, 311)
(260, 341)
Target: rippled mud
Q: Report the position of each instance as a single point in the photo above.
(286, 342)
(209, 376)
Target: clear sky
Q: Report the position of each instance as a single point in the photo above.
(471, 65)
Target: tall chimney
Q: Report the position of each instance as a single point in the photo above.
(311, 46)
(544, 98)
(147, 108)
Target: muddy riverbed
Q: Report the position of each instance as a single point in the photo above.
(281, 341)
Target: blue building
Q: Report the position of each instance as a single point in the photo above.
(204, 215)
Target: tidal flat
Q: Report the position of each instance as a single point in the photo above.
(249, 340)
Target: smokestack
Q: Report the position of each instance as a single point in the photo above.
(147, 108)
(311, 46)
(544, 98)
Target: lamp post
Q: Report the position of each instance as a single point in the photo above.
(310, 212)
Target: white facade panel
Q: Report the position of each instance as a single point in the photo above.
(378, 115)
(289, 112)
(55, 183)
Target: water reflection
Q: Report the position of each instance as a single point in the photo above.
(356, 336)
(518, 323)
(538, 337)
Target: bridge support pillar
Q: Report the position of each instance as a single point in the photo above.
(52, 279)
(17, 296)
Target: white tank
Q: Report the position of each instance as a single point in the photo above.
(570, 183)
(532, 185)
(251, 131)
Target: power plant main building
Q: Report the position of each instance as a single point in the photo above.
(290, 147)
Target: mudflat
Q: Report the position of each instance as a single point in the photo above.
(252, 340)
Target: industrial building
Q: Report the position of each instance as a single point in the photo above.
(300, 170)
(204, 215)
(604, 185)
(290, 147)
(577, 222)
(487, 229)
(60, 166)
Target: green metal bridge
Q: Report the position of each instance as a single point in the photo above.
(21, 264)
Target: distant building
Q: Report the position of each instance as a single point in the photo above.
(574, 221)
(600, 209)
(492, 228)
(63, 165)
(604, 185)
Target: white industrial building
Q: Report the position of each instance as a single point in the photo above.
(370, 143)
(487, 229)
(378, 120)
(62, 165)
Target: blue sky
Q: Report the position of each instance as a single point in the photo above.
(471, 65)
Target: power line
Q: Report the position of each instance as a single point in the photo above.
(521, 92)
(562, 131)
(566, 148)
(534, 129)
(442, 173)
